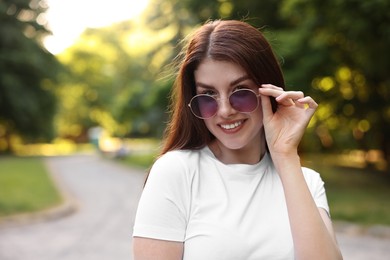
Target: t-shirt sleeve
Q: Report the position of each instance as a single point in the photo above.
(163, 207)
(317, 188)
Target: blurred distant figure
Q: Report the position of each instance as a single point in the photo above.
(122, 152)
(94, 135)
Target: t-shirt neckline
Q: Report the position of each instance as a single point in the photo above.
(240, 167)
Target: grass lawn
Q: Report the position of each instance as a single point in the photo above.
(354, 195)
(25, 186)
(141, 160)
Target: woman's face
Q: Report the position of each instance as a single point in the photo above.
(232, 129)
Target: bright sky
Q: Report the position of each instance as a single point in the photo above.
(69, 18)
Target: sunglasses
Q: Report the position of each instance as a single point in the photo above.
(205, 106)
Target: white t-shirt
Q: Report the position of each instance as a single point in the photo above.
(219, 211)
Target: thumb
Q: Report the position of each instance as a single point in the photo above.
(266, 107)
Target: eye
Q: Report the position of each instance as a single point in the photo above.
(247, 84)
(208, 92)
(239, 87)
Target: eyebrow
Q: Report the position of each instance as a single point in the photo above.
(233, 83)
(239, 80)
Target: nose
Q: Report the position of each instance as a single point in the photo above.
(225, 109)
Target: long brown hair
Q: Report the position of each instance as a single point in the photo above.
(232, 41)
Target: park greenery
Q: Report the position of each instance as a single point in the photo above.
(27, 71)
(119, 77)
(26, 186)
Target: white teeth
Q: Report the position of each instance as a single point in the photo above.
(231, 126)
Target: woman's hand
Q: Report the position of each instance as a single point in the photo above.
(284, 128)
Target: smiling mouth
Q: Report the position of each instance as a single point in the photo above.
(231, 126)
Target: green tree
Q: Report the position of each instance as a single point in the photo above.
(111, 82)
(339, 50)
(27, 70)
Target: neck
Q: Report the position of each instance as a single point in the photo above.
(250, 154)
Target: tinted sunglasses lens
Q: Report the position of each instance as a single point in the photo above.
(244, 101)
(204, 106)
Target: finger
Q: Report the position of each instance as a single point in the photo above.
(272, 92)
(272, 87)
(279, 93)
(266, 108)
(293, 95)
(289, 98)
(308, 101)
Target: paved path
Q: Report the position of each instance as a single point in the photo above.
(100, 229)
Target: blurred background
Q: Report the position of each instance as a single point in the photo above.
(82, 75)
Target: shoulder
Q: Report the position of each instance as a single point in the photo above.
(311, 175)
(317, 187)
(313, 178)
(177, 164)
(177, 159)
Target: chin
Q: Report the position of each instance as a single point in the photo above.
(233, 145)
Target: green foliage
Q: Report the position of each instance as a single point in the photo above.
(345, 48)
(112, 81)
(25, 186)
(27, 103)
(332, 50)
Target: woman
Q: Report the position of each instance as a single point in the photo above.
(229, 183)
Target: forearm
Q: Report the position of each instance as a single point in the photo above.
(312, 239)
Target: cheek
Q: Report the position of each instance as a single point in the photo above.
(209, 124)
(258, 115)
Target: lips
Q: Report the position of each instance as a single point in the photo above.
(231, 126)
